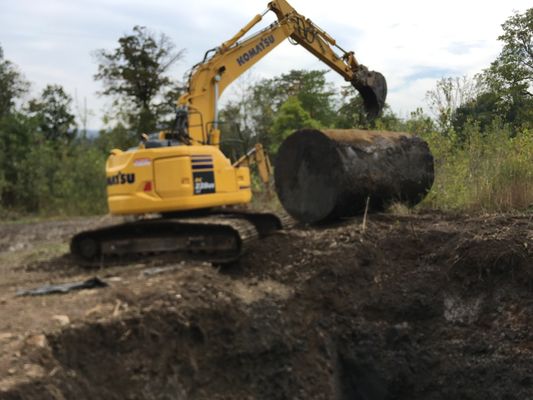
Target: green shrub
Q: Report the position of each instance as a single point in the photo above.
(489, 171)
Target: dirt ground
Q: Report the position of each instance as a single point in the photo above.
(422, 306)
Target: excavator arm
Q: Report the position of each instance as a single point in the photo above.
(209, 78)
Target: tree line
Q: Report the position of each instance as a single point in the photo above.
(48, 164)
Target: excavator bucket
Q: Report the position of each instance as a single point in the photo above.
(373, 89)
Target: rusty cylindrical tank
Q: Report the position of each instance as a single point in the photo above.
(327, 174)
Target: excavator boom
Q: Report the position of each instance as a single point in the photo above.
(371, 85)
(230, 60)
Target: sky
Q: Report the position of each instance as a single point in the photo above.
(413, 43)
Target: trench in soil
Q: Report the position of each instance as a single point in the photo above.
(418, 307)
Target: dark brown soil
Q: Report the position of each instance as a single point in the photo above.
(427, 306)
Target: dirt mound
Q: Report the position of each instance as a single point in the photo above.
(424, 306)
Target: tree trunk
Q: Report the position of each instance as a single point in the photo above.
(328, 174)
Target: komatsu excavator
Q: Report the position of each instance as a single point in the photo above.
(182, 176)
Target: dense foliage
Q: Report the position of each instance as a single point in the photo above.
(481, 133)
(134, 75)
(45, 168)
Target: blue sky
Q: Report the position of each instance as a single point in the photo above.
(412, 42)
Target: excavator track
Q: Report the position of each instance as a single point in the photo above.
(217, 238)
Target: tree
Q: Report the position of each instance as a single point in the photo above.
(351, 112)
(237, 136)
(15, 129)
(34, 176)
(116, 137)
(291, 116)
(506, 93)
(16, 138)
(510, 76)
(12, 85)
(315, 94)
(134, 74)
(449, 94)
(53, 111)
(418, 123)
(236, 123)
(513, 69)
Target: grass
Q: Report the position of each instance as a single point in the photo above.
(490, 171)
(31, 254)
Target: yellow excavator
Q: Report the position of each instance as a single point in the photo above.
(182, 176)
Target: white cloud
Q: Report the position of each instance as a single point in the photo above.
(413, 43)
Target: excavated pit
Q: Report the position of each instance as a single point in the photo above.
(426, 306)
